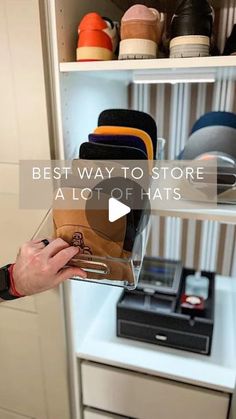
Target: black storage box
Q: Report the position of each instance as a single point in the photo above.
(158, 319)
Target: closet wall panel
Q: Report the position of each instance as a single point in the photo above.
(24, 128)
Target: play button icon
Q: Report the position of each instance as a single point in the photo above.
(117, 210)
(117, 201)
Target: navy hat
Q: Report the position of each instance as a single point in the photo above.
(226, 119)
(119, 140)
(213, 132)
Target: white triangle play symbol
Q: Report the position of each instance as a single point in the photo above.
(117, 210)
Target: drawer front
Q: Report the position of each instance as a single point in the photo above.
(98, 414)
(143, 397)
(164, 337)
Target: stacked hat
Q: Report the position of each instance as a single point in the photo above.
(213, 136)
(214, 131)
(123, 134)
(120, 135)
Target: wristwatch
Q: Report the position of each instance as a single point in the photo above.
(5, 284)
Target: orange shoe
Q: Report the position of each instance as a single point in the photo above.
(98, 38)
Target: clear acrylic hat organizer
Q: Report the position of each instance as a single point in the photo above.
(122, 272)
(116, 271)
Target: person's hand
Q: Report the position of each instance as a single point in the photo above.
(39, 268)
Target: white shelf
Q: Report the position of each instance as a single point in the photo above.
(125, 71)
(224, 214)
(100, 343)
(217, 66)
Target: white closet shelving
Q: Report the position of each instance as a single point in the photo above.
(217, 69)
(99, 344)
(214, 65)
(82, 91)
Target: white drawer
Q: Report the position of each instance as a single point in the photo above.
(143, 397)
(98, 414)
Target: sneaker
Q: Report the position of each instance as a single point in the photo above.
(191, 29)
(230, 45)
(98, 38)
(141, 31)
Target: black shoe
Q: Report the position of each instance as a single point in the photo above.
(230, 45)
(191, 29)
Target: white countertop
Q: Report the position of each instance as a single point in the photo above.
(99, 342)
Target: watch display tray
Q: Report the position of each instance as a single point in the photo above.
(157, 318)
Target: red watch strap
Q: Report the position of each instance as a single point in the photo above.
(12, 282)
